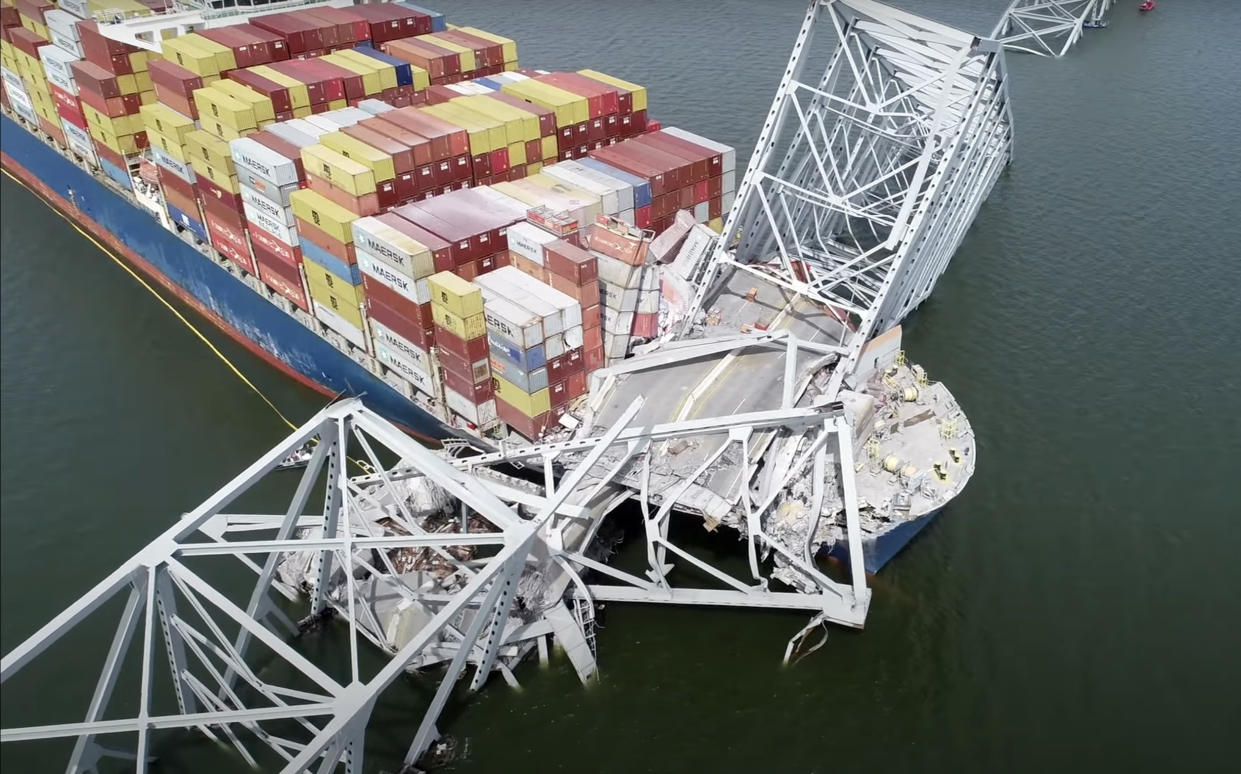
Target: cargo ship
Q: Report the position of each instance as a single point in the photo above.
(382, 204)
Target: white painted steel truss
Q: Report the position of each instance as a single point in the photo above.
(1047, 27)
(866, 177)
(211, 611)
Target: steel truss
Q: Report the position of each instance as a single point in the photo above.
(1047, 27)
(220, 591)
(865, 178)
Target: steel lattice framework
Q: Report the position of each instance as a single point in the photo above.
(220, 656)
(866, 177)
(1047, 27)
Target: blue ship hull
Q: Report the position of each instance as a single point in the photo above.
(879, 549)
(227, 302)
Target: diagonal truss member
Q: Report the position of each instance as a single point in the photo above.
(204, 634)
(1047, 27)
(866, 176)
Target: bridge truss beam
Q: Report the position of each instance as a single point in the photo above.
(866, 177)
(207, 619)
(1047, 27)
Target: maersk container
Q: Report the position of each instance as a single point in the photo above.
(416, 376)
(512, 322)
(398, 343)
(263, 161)
(274, 210)
(414, 291)
(284, 233)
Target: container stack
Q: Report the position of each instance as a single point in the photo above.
(535, 349)
(325, 235)
(474, 223)
(685, 172)
(24, 80)
(568, 269)
(219, 193)
(461, 348)
(58, 60)
(395, 267)
(269, 170)
(113, 83)
(628, 285)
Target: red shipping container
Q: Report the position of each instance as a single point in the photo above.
(402, 155)
(229, 241)
(299, 34)
(463, 385)
(279, 95)
(283, 147)
(616, 156)
(441, 251)
(476, 371)
(571, 262)
(392, 299)
(367, 204)
(699, 161)
(170, 182)
(210, 190)
(188, 205)
(578, 385)
(221, 211)
(592, 355)
(420, 146)
(290, 256)
(173, 77)
(714, 208)
(466, 351)
(532, 428)
(325, 241)
(282, 278)
(404, 325)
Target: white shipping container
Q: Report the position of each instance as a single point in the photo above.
(570, 309)
(419, 378)
(12, 80)
(270, 225)
(729, 156)
(518, 325)
(275, 193)
(263, 161)
(727, 201)
(175, 166)
(79, 8)
(59, 81)
(528, 241)
(56, 60)
(63, 22)
(573, 337)
(68, 44)
(728, 182)
(266, 206)
(626, 216)
(503, 204)
(375, 107)
(350, 114)
(403, 346)
(391, 278)
(618, 299)
(299, 131)
(702, 212)
(481, 415)
(79, 141)
(555, 346)
(400, 251)
(608, 198)
(615, 347)
(342, 326)
(616, 272)
(548, 314)
(624, 191)
(617, 323)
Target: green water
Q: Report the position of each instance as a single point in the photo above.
(1076, 608)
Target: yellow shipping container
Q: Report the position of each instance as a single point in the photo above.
(345, 173)
(259, 103)
(486, 134)
(225, 60)
(163, 119)
(516, 154)
(638, 92)
(138, 61)
(459, 296)
(218, 175)
(516, 127)
(556, 100)
(716, 225)
(327, 280)
(507, 45)
(125, 144)
(299, 97)
(466, 327)
(302, 112)
(143, 79)
(215, 103)
(370, 79)
(128, 84)
(167, 145)
(324, 213)
(549, 148)
(422, 79)
(213, 150)
(386, 72)
(147, 97)
(351, 312)
(528, 404)
(223, 131)
(119, 126)
(351, 148)
(186, 51)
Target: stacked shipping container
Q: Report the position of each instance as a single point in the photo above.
(399, 180)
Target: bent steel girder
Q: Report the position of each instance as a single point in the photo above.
(865, 179)
(218, 678)
(1047, 27)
